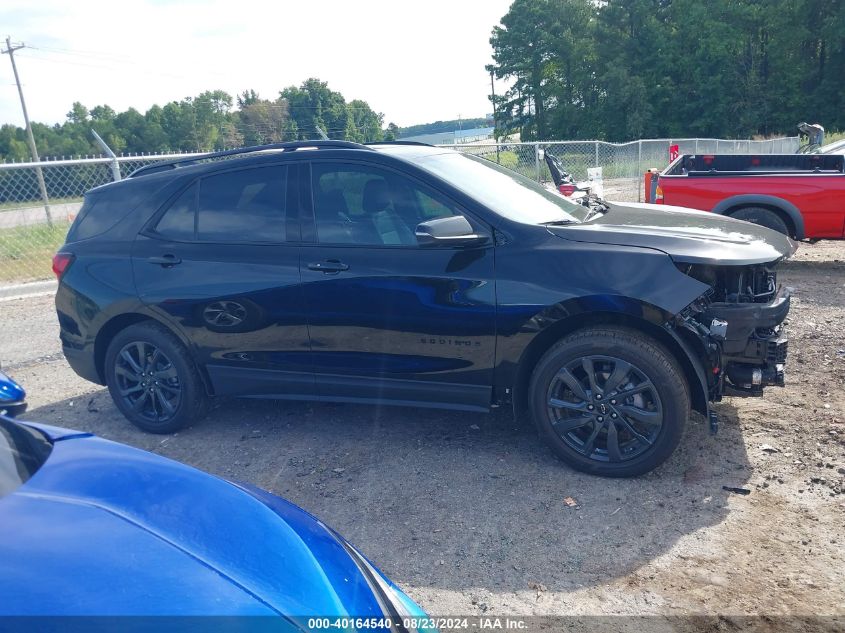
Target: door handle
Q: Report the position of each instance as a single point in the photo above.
(330, 266)
(165, 260)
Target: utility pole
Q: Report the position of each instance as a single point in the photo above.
(493, 99)
(32, 149)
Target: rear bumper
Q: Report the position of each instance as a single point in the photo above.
(82, 362)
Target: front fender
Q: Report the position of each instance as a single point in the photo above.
(695, 371)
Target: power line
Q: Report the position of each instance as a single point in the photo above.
(91, 54)
(112, 68)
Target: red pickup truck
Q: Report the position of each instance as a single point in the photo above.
(802, 195)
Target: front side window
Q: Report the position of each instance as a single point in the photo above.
(506, 192)
(367, 205)
(247, 205)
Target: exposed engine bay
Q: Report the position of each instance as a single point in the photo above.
(741, 321)
(735, 284)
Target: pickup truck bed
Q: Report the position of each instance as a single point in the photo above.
(800, 194)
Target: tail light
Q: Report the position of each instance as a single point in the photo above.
(567, 189)
(61, 262)
(658, 195)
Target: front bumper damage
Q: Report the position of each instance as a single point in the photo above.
(743, 346)
(753, 344)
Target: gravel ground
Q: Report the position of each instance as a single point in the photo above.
(467, 511)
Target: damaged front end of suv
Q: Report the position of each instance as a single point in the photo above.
(733, 331)
(741, 318)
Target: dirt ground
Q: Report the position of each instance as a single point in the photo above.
(467, 511)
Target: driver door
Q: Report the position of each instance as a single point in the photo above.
(390, 319)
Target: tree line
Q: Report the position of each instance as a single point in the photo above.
(626, 69)
(209, 121)
(446, 126)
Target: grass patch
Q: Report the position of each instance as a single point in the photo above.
(26, 252)
(35, 204)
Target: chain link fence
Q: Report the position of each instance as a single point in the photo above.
(31, 232)
(622, 164)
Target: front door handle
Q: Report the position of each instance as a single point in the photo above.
(330, 266)
(165, 260)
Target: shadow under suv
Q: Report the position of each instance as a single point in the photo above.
(407, 274)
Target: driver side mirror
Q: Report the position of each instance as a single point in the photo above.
(452, 231)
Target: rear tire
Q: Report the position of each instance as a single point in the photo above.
(764, 217)
(610, 401)
(153, 379)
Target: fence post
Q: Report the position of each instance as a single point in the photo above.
(537, 161)
(115, 167)
(639, 170)
(696, 146)
(597, 154)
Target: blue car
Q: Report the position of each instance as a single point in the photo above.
(12, 397)
(89, 527)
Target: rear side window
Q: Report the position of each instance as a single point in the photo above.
(178, 222)
(88, 223)
(239, 206)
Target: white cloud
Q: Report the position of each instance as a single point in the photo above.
(416, 62)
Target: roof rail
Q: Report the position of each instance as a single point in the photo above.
(400, 143)
(287, 146)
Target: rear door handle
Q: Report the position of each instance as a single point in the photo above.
(165, 260)
(330, 266)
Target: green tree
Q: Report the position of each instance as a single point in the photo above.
(524, 52)
(313, 106)
(78, 113)
(626, 69)
(205, 122)
(364, 122)
(261, 121)
(392, 132)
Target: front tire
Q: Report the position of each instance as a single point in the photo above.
(153, 380)
(610, 401)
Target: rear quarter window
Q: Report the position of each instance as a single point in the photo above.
(90, 221)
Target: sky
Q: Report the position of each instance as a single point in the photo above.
(416, 62)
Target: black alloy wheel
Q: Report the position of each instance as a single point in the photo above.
(605, 408)
(153, 379)
(610, 401)
(147, 381)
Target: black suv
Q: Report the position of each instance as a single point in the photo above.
(412, 275)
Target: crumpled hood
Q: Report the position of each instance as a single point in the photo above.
(103, 528)
(684, 234)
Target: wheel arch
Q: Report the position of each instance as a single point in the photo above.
(120, 322)
(785, 209)
(682, 350)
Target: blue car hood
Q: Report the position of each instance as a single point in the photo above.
(10, 391)
(107, 529)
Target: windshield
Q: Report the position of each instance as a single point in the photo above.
(23, 451)
(506, 192)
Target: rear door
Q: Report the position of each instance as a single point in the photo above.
(220, 262)
(391, 319)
